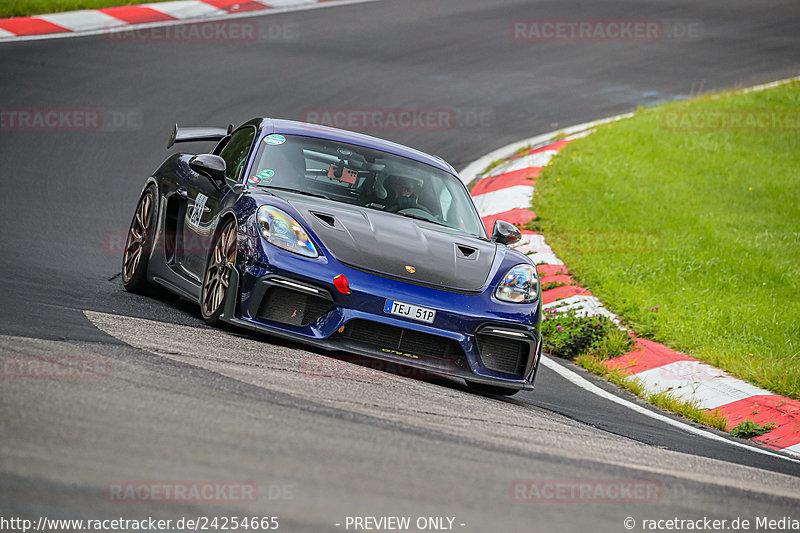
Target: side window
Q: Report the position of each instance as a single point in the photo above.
(221, 144)
(235, 152)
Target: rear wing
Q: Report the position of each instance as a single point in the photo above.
(183, 135)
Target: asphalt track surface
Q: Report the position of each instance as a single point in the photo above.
(186, 402)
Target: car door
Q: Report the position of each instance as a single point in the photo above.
(205, 201)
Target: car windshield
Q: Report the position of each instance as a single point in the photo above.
(364, 177)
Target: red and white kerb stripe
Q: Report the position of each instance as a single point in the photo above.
(115, 18)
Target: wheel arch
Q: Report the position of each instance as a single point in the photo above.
(213, 314)
(224, 217)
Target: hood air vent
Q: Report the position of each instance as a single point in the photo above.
(330, 220)
(466, 252)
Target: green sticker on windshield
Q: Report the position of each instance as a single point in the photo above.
(266, 174)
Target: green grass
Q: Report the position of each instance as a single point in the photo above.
(692, 237)
(568, 335)
(18, 8)
(749, 429)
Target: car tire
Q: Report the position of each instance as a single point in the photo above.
(491, 389)
(136, 254)
(221, 261)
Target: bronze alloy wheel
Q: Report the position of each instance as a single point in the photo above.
(218, 272)
(137, 241)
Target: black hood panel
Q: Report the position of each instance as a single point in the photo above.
(398, 246)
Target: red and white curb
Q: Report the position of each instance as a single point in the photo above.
(506, 192)
(122, 18)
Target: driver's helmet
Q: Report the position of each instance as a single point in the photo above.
(405, 191)
(404, 186)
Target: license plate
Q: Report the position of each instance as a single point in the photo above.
(414, 312)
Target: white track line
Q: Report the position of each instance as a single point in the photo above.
(585, 384)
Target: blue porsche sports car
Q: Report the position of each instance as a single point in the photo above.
(342, 241)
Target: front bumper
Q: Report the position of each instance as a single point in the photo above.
(491, 343)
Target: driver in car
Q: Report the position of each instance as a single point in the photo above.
(404, 190)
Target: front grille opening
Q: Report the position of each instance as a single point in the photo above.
(503, 355)
(292, 307)
(408, 341)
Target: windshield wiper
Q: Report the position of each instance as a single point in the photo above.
(289, 189)
(417, 217)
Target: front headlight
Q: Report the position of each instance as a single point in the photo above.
(519, 285)
(284, 232)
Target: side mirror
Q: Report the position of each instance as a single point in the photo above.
(505, 233)
(210, 166)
